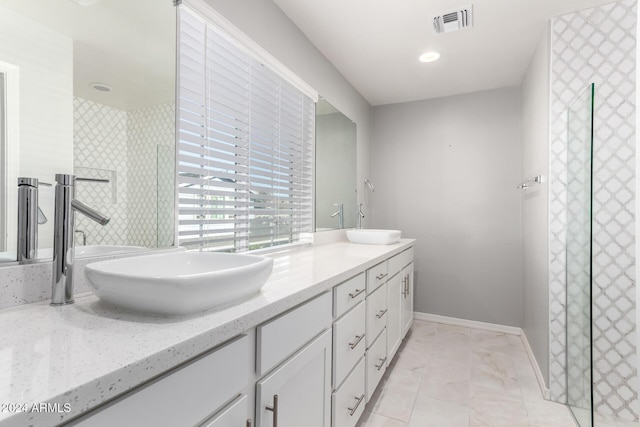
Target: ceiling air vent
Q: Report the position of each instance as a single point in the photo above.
(453, 20)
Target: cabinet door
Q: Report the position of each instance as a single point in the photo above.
(394, 315)
(298, 392)
(407, 299)
(234, 415)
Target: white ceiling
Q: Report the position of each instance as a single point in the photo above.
(128, 45)
(375, 44)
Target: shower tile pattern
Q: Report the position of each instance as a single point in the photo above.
(598, 45)
(150, 130)
(123, 146)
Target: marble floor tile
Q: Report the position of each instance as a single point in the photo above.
(399, 391)
(371, 419)
(412, 360)
(545, 413)
(449, 376)
(495, 408)
(495, 370)
(432, 412)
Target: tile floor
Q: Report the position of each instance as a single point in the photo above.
(449, 376)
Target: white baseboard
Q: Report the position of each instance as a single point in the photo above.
(492, 327)
(546, 393)
(454, 321)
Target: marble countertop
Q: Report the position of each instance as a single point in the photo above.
(87, 353)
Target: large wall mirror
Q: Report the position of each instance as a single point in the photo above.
(336, 181)
(88, 88)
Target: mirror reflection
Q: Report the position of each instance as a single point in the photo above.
(88, 88)
(336, 182)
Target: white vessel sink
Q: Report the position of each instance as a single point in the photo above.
(177, 283)
(102, 250)
(373, 236)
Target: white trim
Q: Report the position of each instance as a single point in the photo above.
(454, 321)
(244, 42)
(546, 393)
(12, 150)
(492, 327)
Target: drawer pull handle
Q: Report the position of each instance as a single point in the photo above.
(382, 362)
(381, 276)
(354, 344)
(404, 286)
(249, 423)
(355, 408)
(408, 285)
(274, 409)
(356, 293)
(382, 313)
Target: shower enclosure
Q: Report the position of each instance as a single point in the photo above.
(578, 252)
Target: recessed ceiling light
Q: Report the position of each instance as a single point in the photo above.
(429, 57)
(100, 86)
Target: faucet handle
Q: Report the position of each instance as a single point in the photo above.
(92, 179)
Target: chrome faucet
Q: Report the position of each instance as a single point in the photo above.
(29, 217)
(63, 253)
(84, 236)
(360, 216)
(339, 213)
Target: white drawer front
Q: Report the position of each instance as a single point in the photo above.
(349, 400)
(400, 261)
(376, 363)
(185, 396)
(233, 415)
(376, 276)
(348, 294)
(376, 313)
(349, 342)
(281, 337)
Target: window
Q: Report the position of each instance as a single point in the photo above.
(245, 148)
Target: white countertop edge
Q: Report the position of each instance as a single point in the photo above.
(225, 324)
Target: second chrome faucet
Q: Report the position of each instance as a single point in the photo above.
(63, 244)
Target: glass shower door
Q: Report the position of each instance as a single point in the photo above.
(578, 251)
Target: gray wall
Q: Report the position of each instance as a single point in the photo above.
(535, 213)
(268, 26)
(445, 172)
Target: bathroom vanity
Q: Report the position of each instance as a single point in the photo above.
(309, 350)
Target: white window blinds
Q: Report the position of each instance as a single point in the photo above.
(245, 148)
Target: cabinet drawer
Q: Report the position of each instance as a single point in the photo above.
(376, 276)
(400, 261)
(233, 415)
(376, 313)
(348, 294)
(183, 397)
(376, 363)
(281, 337)
(349, 342)
(348, 401)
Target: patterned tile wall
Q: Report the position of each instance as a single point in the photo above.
(101, 136)
(598, 45)
(151, 132)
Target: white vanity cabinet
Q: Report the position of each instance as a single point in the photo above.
(349, 346)
(315, 365)
(298, 392)
(407, 298)
(394, 315)
(294, 350)
(187, 396)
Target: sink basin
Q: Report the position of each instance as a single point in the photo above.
(373, 236)
(177, 283)
(101, 250)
